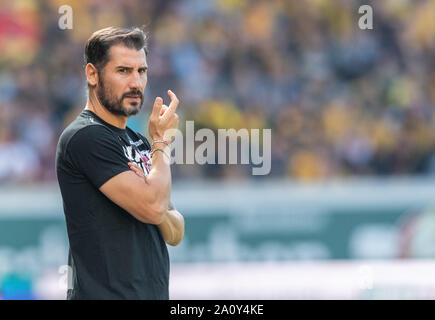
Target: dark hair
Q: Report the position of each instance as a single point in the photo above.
(98, 45)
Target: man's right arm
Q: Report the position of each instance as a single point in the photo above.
(148, 199)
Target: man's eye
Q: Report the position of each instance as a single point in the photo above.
(123, 70)
(142, 71)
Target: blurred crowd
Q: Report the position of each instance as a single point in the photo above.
(340, 101)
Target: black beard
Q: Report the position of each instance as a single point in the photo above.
(114, 105)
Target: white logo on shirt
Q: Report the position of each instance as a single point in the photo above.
(139, 158)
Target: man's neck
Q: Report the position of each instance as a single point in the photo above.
(94, 105)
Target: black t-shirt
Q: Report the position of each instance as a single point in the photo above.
(112, 254)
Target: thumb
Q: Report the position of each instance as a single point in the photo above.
(156, 108)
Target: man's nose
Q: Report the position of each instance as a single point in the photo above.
(136, 81)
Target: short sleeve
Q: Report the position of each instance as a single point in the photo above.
(95, 152)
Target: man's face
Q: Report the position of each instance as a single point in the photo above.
(122, 81)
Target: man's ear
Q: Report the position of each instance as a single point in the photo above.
(91, 74)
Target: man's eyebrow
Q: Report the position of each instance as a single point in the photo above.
(130, 68)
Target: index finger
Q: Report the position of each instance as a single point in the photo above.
(174, 102)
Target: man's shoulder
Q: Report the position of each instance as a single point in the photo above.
(84, 127)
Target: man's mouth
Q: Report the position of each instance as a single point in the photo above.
(134, 98)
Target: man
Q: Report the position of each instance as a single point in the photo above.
(116, 204)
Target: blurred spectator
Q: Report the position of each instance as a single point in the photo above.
(340, 101)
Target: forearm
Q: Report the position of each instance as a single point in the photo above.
(172, 227)
(159, 178)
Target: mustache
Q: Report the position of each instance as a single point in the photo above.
(132, 94)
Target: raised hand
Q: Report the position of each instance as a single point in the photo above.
(163, 119)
